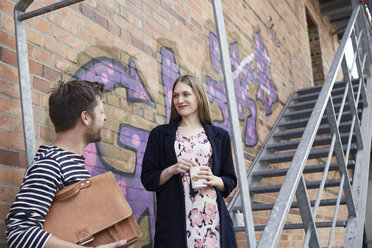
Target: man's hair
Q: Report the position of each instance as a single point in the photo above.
(69, 99)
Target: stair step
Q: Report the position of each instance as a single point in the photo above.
(290, 124)
(305, 113)
(323, 129)
(311, 103)
(337, 85)
(322, 140)
(265, 207)
(308, 169)
(314, 153)
(301, 226)
(301, 97)
(276, 187)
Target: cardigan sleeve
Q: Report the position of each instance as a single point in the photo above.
(227, 173)
(151, 165)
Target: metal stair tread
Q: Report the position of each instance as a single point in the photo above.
(307, 112)
(309, 185)
(340, 223)
(264, 207)
(340, 84)
(314, 153)
(311, 103)
(293, 144)
(297, 123)
(295, 133)
(307, 169)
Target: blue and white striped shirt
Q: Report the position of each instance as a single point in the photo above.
(52, 169)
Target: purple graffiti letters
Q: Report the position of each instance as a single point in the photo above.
(114, 74)
(216, 92)
(264, 78)
(241, 82)
(170, 71)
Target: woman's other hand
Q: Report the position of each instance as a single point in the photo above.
(210, 179)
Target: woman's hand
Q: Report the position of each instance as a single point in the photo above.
(210, 179)
(114, 244)
(181, 166)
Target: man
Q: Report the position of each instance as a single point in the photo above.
(77, 113)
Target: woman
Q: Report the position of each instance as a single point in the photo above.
(189, 217)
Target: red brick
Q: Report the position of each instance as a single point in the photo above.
(11, 123)
(10, 106)
(100, 20)
(43, 56)
(7, 7)
(2, 235)
(8, 72)
(12, 141)
(4, 210)
(11, 176)
(8, 39)
(9, 89)
(41, 84)
(88, 12)
(9, 57)
(35, 67)
(51, 74)
(43, 26)
(22, 160)
(8, 193)
(9, 158)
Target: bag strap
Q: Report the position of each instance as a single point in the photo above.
(73, 191)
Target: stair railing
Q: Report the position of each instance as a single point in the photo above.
(294, 182)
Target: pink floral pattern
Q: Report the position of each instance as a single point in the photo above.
(202, 216)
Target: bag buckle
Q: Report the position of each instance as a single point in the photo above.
(84, 237)
(86, 242)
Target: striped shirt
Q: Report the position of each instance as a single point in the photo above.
(52, 169)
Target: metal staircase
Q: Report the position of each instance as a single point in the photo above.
(318, 151)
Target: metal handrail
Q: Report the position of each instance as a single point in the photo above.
(271, 234)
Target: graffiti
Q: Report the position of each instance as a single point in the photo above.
(274, 36)
(170, 71)
(216, 92)
(263, 76)
(114, 75)
(245, 77)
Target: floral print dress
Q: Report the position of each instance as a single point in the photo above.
(202, 216)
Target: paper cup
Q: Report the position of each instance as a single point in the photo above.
(195, 182)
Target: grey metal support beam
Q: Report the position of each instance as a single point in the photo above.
(306, 213)
(24, 69)
(342, 164)
(47, 9)
(233, 111)
(353, 106)
(355, 225)
(24, 81)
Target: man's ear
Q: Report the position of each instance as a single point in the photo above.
(85, 117)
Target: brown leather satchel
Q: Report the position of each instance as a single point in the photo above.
(92, 212)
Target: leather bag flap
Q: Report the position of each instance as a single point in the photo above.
(91, 209)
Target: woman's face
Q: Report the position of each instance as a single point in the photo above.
(185, 100)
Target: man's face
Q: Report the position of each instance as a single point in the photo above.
(93, 133)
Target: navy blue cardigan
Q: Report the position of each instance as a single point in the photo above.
(171, 220)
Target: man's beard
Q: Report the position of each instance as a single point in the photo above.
(93, 135)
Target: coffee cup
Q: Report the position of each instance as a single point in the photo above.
(196, 183)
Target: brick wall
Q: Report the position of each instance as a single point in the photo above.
(138, 48)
